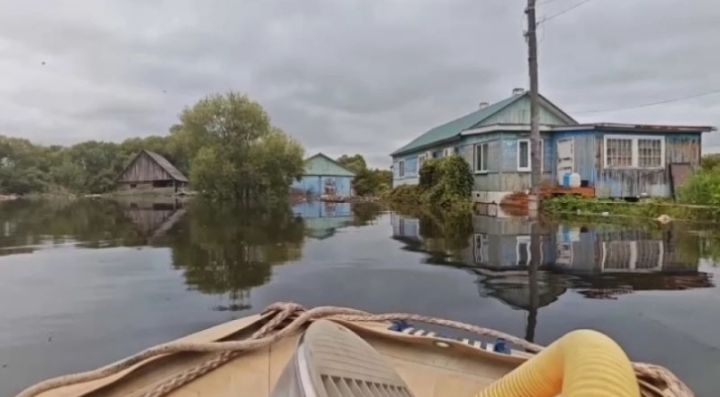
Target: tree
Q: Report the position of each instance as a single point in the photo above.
(354, 163)
(236, 153)
(367, 182)
(710, 161)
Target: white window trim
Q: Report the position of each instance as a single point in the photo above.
(527, 241)
(633, 257)
(542, 155)
(401, 169)
(481, 242)
(635, 150)
(475, 163)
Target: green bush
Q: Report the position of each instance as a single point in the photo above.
(406, 194)
(457, 177)
(430, 174)
(703, 188)
(446, 183)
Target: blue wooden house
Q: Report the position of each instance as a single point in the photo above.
(324, 176)
(617, 160)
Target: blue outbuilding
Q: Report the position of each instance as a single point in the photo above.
(324, 177)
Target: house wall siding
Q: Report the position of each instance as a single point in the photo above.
(318, 185)
(519, 113)
(589, 152)
(503, 175)
(588, 161)
(585, 153)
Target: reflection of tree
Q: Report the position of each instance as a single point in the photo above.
(228, 250)
(95, 223)
(365, 213)
(440, 234)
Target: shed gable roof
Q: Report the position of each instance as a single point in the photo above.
(161, 161)
(453, 128)
(167, 166)
(321, 164)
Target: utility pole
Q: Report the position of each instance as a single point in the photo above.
(531, 36)
(534, 199)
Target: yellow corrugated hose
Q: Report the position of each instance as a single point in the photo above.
(582, 363)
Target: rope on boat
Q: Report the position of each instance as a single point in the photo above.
(648, 375)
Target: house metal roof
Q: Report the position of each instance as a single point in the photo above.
(453, 128)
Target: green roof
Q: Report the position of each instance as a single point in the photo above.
(454, 128)
(321, 164)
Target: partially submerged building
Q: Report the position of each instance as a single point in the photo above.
(614, 160)
(324, 176)
(150, 172)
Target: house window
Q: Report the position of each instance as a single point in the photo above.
(650, 153)
(401, 169)
(423, 157)
(634, 151)
(619, 152)
(524, 154)
(481, 157)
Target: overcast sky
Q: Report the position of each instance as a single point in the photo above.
(345, 76)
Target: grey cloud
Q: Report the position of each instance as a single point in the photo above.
(353, 76)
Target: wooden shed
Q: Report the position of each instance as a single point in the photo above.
(150, 172)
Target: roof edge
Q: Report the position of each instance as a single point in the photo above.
(638, 127)
(401, 152)
(325, 156)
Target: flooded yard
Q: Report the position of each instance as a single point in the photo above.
(84, 283)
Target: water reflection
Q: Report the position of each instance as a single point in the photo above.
(596, 261)
(229, 250)
(221, 250)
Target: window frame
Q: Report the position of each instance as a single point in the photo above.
(527, 242)
(401, 169)
(529, 156)
(521, 241)
(481, 249)
(475, 158)
(635, 149)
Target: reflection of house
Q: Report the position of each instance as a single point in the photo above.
(613, 250)
(514, 287)
(598, 261)
(324, 176)
(154, 219)
(405, 228)
(150, 172)
(322, 219)
(505, 243)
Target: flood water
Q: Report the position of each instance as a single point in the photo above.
(84, 283)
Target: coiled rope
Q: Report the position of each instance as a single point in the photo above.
(272, 331)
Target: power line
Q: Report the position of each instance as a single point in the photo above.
(545, 2)
(564, 11)
(644, 105)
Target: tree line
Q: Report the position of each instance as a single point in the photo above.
(226, 144)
